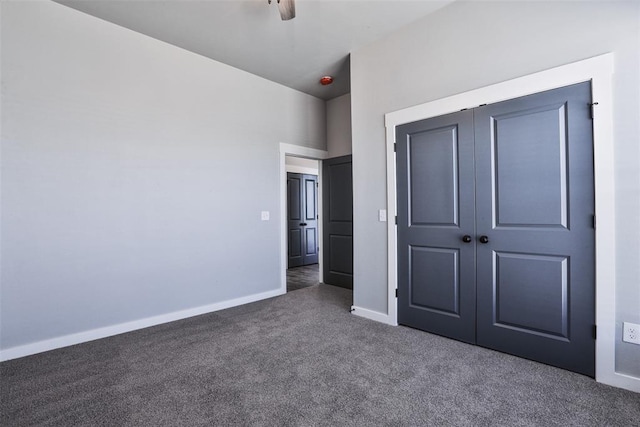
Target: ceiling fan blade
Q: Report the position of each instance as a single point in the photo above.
(287, 9)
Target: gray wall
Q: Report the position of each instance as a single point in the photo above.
(121, 192)
(468, 45)
(301, 165)
(339, 126)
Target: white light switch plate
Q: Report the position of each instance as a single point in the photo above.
(265, 215)
(382, 215)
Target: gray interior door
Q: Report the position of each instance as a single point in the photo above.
(302, 219)
(337, 208)
(436, 210)
(535, 206)
(533, 244)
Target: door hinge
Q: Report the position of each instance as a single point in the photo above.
(594, 331)
(396, 219)
(395, 147)
(593, 109)
(396, 292)
(593, 220)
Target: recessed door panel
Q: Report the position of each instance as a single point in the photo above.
(531, 293)
(311, 197)
(341, 250)
(295, 243)
(293, 196)
(434, 280)
(433, 170)
(310, 241)
(529, 162)
(340, 210)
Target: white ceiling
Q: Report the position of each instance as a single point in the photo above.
(249, 35)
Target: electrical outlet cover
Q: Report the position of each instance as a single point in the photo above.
(631, 333)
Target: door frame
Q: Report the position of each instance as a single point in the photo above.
(307, 153)
(598, 70)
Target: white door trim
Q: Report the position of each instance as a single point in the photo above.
(599, 71)
(308, 153)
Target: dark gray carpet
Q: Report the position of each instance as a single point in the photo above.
(302, 277)
(299, 359)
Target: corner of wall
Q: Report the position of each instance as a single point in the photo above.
(339, 126)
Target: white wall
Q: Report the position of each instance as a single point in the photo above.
(339, 126)
(122, 198)
(301, 165)
(468, 45)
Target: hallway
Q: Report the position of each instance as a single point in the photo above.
(302, 277)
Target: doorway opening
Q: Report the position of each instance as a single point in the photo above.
(334, 217)
(298, 158)
(302, 233)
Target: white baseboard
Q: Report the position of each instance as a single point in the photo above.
(621, 381)
(373, 315)
(108, 331)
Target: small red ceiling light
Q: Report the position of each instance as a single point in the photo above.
(326, 80)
